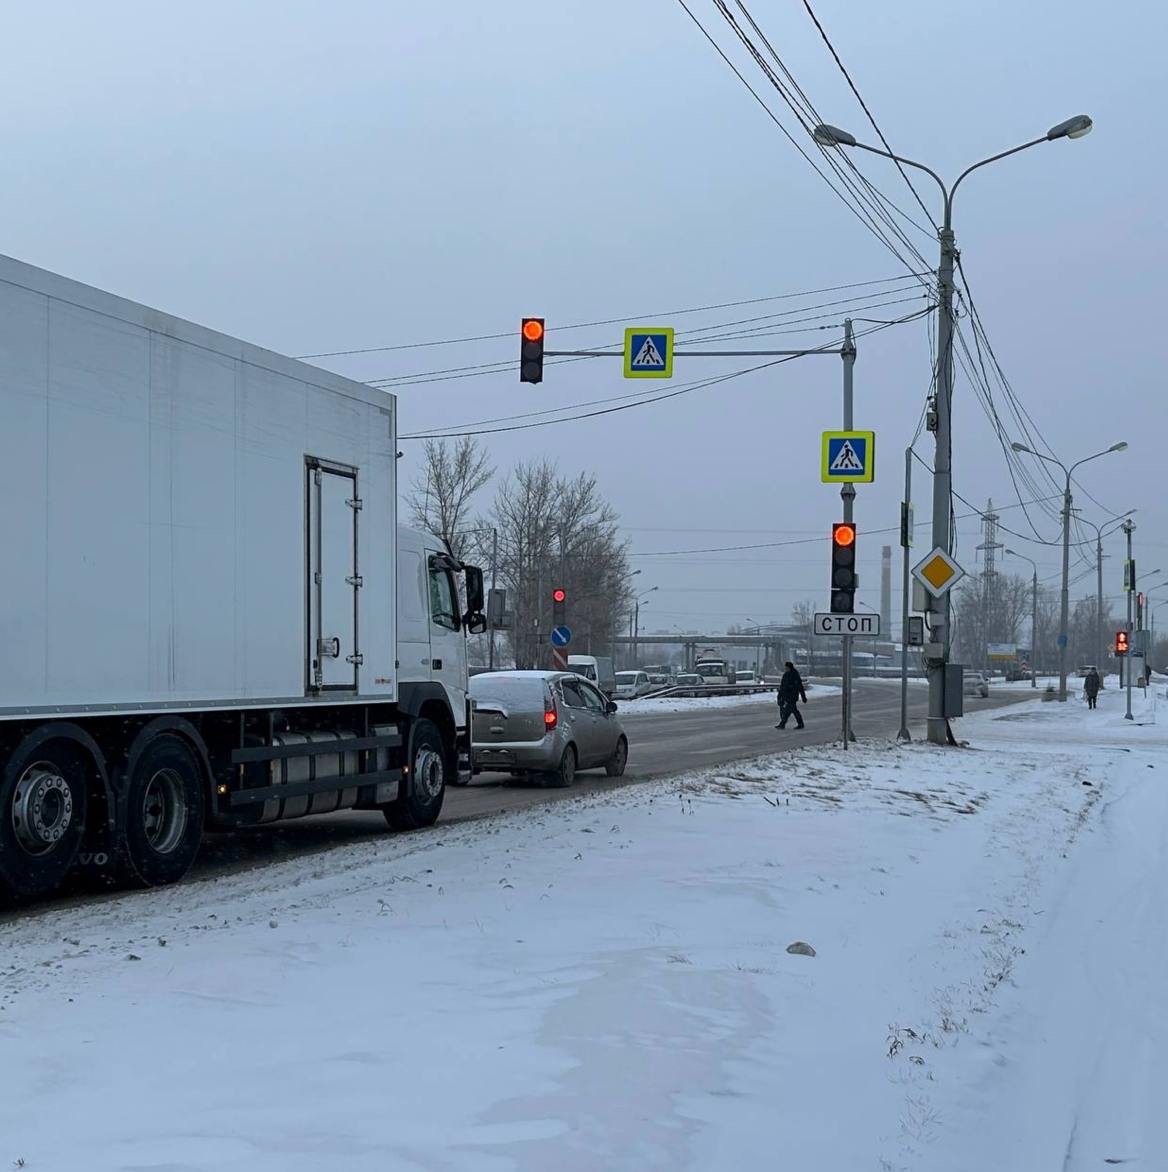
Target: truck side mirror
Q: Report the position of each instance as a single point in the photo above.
(476, 624)
(475, 598)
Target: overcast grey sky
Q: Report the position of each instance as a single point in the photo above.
(324, 176)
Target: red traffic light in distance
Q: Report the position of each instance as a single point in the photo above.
(533, 329)
(1121, 642)
(559, 594)
(843, 533)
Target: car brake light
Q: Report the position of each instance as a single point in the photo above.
(550, 716)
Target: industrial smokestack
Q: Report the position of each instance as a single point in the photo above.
(886, 591)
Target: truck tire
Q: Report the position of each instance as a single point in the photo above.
(43, 804)
(164, 812)
(425, 786)
(563, 777)
(615, 765)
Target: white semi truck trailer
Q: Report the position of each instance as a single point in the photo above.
(208, 617)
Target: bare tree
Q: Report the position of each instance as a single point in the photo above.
(553, 532)
(991, 610)
(442, 493)
(803, 616)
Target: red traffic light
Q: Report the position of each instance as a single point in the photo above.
(843, 533)
(559, 594)
(1121, 643)
(533, 329)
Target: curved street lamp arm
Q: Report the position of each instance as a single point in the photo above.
(945, 193)
(983, 163)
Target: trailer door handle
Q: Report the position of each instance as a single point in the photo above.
(436, 664)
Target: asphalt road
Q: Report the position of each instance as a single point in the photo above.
(660, 744)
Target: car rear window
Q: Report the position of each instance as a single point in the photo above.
(528, 690)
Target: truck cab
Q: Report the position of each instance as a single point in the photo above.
(432, 624)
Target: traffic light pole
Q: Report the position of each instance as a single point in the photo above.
(905, 537)
(848, 494)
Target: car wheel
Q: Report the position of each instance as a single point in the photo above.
(615, 765)
(563, 777)
(426, 784)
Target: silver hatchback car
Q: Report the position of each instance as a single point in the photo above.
(546, 722)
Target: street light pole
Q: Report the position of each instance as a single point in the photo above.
(1099, 535)
(827, 135)
(1064, 604)
(1128, 527)
(1033, 617)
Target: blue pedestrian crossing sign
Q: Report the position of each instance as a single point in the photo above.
(649, 352)
(849, 457)
(561, 636)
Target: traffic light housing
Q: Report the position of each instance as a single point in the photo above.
(531, 338)
(843, 568)
(559, 606)
(1122, 642)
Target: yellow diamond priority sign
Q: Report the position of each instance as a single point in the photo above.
(938, 572)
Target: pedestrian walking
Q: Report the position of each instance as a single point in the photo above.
(1091, 687)
(790, 691)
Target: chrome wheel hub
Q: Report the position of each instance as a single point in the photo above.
(428, 772)
(164, 811)
(42, 808)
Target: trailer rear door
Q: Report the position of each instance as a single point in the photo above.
(333, 509)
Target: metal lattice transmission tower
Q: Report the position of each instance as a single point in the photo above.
(989, 572)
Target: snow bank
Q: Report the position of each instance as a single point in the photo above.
(606, 982)
(647, 704)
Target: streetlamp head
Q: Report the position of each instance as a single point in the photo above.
(827, 135)
(1020, 447)
(1119, 447)
(1072, 128)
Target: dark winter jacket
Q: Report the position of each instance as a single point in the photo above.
(1091, 684)
(791, 687)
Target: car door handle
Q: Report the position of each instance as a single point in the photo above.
(436, 664)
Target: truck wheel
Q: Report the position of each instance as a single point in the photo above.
(164, 813)
(563, 777)
(615, 765)
(425, 787)
(43, 798)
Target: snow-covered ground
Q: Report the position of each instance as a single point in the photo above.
(606, 983)
(648, 704)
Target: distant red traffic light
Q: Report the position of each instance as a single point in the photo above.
(559, 595)
(533, 329)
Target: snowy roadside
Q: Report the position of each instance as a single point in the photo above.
(607, 982)
(646, 705)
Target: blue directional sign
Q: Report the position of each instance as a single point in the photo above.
(649, 352)
(849, 457)
(561, 636)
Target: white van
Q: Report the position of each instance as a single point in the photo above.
(597, 668)
(631, 684)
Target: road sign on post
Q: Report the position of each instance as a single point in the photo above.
(938, 573)
(847, 624)
(649, 352)
(561, 636)
(849, 457)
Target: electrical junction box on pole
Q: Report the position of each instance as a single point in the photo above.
(849, 457)
(954, 690)
(847, 624)
(916, 631)
(937, 572)
(649, 352)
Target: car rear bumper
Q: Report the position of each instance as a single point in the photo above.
(505, 756)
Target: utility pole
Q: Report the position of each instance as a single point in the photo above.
(905, 543)
(1130, 583)
(490, 618)
(826, 135)
(848, 494)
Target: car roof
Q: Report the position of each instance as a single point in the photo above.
(530, 674)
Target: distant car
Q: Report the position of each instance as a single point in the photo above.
(631, 684)
(660, 679)
(745, 677)
(975, 683)
(688, 679)
(545, 722)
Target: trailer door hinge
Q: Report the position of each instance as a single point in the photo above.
(356, 581)
(355, 503)
(355, 660)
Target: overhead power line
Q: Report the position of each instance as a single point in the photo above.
(608, 321)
